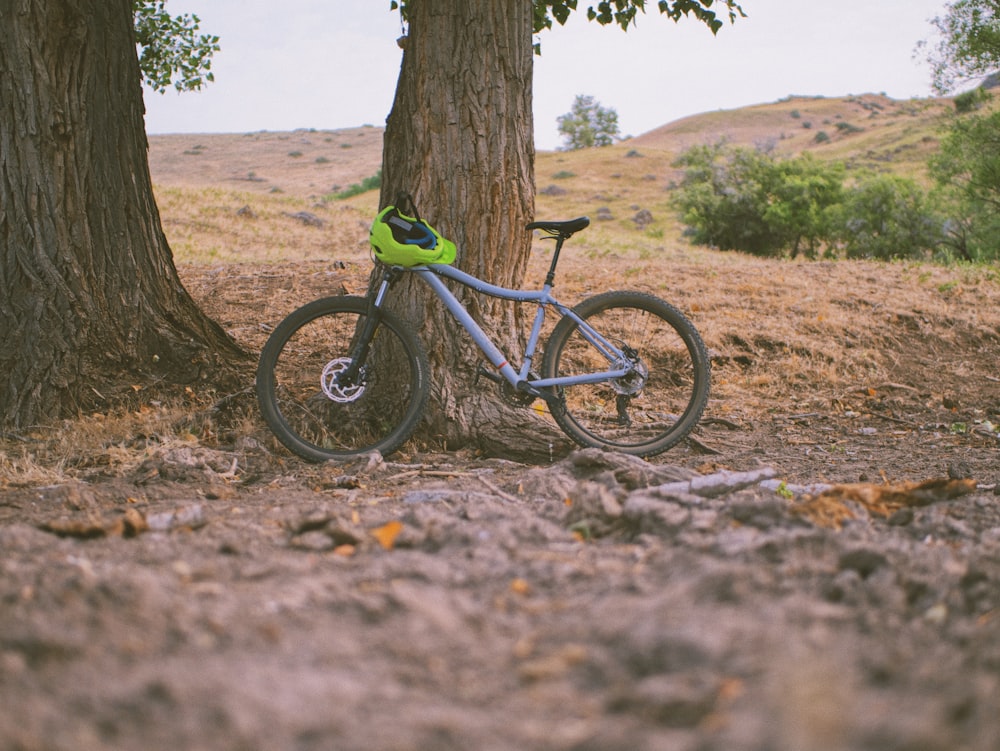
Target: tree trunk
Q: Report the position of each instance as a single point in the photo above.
(460, 140)
(90, 293)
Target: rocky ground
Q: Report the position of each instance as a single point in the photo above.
(446, 601)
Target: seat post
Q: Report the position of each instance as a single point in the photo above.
(551, 276)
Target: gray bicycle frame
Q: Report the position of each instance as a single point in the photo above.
(619, 363)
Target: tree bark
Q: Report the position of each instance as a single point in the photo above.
(89, 289)
(460, 139)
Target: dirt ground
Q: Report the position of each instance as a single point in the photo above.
(168, 590)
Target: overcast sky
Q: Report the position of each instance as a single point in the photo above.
(334, 63)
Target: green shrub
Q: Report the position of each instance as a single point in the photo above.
(735, 198)
(970, 101)
(886, 217)
(845, 128)
(369, 183)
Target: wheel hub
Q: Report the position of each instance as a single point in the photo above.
(632, 382)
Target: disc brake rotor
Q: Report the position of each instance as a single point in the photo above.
(340, 392)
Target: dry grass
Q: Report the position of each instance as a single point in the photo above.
(785, 336)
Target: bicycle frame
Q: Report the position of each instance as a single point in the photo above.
(620, 364)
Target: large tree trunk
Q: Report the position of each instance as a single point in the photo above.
(460, 139)
(89, 289)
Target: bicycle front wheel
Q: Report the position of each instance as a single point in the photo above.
(654, 407)
(311, 411)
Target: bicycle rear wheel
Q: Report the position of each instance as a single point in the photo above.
(648, 411)
(314, 415)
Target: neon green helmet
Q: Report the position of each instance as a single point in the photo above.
(401, 240)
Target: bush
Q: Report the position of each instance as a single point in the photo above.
(845, 128)
(970, 101)
(744, 199)
(886, 217)
(740, 199)
(369, 183)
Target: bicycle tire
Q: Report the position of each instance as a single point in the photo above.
(643, 416)
(313, 417)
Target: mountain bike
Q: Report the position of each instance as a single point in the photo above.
(621, 370)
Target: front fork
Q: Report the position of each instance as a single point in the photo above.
(349, 376)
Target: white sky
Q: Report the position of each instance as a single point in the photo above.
(329, 64)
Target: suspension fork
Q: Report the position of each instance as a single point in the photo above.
(373, 318)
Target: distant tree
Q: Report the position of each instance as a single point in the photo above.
(968, 46)
(588, 124)
(967, 167)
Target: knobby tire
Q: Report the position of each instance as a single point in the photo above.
(379, 416)
(645, 418)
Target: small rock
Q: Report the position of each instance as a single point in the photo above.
(862, 560)
(901, 517)
(679, 701)
(959, 470)
(308, 219)
(190, 517)
(643, 218)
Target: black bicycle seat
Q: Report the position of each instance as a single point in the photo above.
(564, 229)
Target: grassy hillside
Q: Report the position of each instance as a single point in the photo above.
(203, 181)
(869, 130)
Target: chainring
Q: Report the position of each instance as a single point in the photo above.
(516, 398)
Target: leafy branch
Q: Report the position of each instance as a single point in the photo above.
(171, 51)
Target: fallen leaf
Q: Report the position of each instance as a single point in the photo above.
(830, 508)
(81, 530)
(520, 587)
(387, 534)
(134, 523)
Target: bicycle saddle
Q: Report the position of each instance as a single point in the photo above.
(564, 229)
